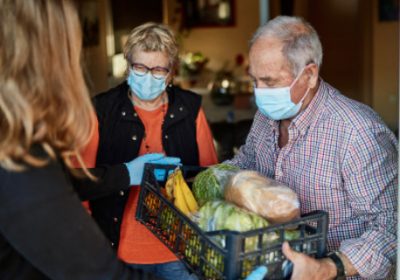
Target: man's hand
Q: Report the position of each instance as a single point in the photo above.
(309, 268)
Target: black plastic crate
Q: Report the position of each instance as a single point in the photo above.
(223, 254)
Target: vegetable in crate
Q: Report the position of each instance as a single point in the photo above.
(219, 215)
(263, 196)
(209, 184)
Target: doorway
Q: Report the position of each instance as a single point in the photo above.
(345, 31)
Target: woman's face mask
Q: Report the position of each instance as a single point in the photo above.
(276, 103)
(146, 87)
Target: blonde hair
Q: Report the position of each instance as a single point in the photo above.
(43, 97)
(152, 37)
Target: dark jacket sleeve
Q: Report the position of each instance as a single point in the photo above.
(42, 219)
(109, 179)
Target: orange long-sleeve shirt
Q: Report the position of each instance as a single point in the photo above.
(89, 155)
(137, 244)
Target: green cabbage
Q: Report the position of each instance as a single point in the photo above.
(220, 215)
(209, 184)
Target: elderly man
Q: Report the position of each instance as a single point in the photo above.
(333, 151)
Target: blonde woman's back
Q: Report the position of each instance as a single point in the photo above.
(45, 117)
(43, 96)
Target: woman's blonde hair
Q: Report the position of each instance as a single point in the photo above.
(43, 97)
(152, 37)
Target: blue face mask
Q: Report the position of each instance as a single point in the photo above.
(146, 87)
(276, 103)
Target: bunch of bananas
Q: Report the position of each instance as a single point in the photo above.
(179, 192)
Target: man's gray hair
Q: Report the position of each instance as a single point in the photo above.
(301, 44)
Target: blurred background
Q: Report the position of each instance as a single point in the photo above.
(360, 39)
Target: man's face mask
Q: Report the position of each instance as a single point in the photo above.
(276, 103)
(146, 87)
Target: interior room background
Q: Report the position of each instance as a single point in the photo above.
(360, 40)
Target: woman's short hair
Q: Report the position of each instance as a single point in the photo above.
(301, 44)
(44, 100)
(152, 37)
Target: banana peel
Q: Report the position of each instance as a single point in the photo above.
(169, 186)
(178, 191)
(180, 201)
(187, 193)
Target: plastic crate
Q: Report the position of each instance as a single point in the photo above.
(227, 258)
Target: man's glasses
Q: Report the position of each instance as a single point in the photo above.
(157, 72)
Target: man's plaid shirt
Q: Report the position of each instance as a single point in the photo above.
(340, 158)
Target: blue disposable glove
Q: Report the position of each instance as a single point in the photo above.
(160, 174)
(136, 167)
(258, 273)
(167, 160)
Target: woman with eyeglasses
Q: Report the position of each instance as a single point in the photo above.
(146, 114)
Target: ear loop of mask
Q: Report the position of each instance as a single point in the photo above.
(294, 81)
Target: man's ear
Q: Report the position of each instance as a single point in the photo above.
(312, 72)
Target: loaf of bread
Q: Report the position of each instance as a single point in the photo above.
(263, 196)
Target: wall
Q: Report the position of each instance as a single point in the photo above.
(219, 44)
(345, 42)
(378, 88)
(95, 57)
(385, 71)
(127, 14)
(222, 44)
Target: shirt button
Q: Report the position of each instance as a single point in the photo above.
(135, 115)
(115, 219)
(181, 109)
(134, 137)
(172, 116)
(112, 244)
(123, 113)
(121, 193)
(166, 136)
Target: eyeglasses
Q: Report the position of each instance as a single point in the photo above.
(157, 72)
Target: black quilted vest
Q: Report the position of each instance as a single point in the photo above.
(121, 132)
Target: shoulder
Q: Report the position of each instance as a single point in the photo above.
(111, 96)
(350, 113)
(187, 98)
(351, 122)
(185, 95)
(32, 184)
